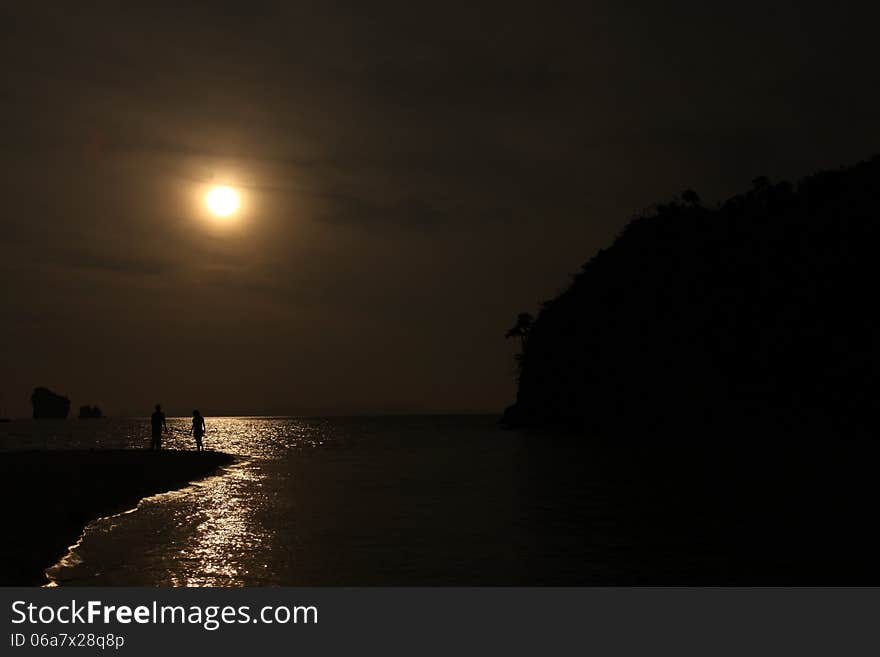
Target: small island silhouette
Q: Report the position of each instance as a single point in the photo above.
(90, 413)
(753, 315)
(49, 405)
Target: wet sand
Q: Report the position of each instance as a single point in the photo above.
(50, 495)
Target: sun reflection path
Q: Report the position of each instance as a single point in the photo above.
(226, 536)
(214, 532)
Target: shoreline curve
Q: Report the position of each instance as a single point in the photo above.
(52, 495)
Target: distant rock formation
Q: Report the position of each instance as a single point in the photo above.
(48, 405)
(755, 315)
(90, 412)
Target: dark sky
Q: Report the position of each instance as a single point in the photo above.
(412, 176)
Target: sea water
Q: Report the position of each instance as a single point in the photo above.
(326, 501)
(455, 500)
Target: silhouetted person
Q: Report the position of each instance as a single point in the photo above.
(157, 422)
(198, 429)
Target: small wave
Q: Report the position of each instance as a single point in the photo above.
(72, 558)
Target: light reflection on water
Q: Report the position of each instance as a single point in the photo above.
(446, 501)
(342, 501)
(221, 534)
(250, 436)
(206, 534)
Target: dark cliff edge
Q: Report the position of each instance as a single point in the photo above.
(757, 314)
(53, 494)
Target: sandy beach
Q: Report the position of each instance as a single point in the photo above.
(51, 495)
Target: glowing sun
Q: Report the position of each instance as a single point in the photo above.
(222, 201)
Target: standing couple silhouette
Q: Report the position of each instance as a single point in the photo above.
(158, 424)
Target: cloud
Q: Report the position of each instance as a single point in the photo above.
(406, 213)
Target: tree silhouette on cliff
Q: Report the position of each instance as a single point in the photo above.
(522, 327)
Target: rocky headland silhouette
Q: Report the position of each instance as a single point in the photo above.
(49, 405)
(755, 314)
